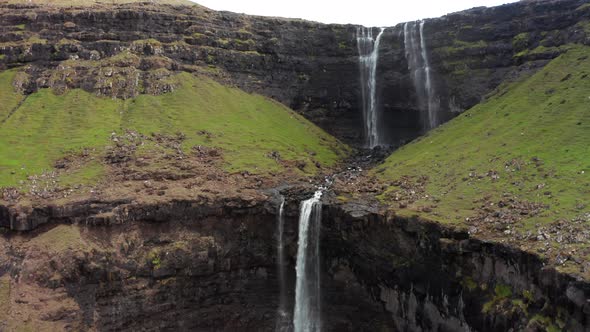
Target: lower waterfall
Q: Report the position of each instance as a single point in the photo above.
(283, 320)
(307, 290)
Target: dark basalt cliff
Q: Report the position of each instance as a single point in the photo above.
(193, 266)
(131, 49)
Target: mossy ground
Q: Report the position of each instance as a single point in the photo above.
(253, 133)
(530, 141)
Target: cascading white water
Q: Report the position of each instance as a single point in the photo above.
(368, 49)
(419, 66)
(307, 290)
(283, 315)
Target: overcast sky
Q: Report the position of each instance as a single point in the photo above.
(365, 12)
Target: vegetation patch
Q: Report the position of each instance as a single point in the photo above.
(459, 47)
(543, 50)
(61, 238)
(585, 25)
(544, 322)
(154, 258)
(521, 41)
(501, 293)
(9, 98)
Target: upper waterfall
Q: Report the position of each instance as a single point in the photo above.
(368, 49)
(419, 67)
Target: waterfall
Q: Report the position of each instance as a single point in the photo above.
(283, 316)
(368, 49)
(419, 67)
(307, 289)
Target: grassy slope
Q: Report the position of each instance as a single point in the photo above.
(546, 117)
(8, 99)
(246, 127)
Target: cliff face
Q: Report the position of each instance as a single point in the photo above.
(181, 265)
(127, 50)
(432, 278)
(188, 265)
(471, 53)
(131, 49)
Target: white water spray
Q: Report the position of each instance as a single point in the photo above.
(368, 49)
(307, 289)
(419, 67)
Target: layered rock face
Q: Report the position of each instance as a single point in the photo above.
(126, 50)
(192, 266)
(182, 265)
(432, 278)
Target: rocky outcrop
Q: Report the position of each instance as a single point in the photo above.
(125, 50)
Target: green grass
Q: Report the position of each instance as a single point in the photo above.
(458, 47)
(545, 322)
(584, 25)
(503, 291)
(9, 99)
(47, 126)
(88, 174)
(247, 128)
(543, 50)
(532, 133)
(61, 238)
(521, 41)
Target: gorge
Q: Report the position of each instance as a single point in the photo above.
(160, 164)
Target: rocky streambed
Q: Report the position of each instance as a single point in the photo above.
(189, 265)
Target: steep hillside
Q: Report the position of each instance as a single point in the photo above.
(52, 140)
(514, 167)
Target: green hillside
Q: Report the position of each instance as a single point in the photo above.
(253, 133)
(521, 157)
